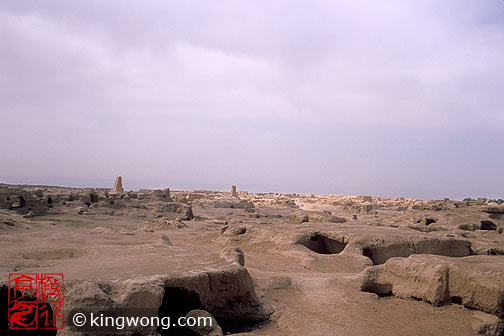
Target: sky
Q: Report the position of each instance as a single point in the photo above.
(348, 97)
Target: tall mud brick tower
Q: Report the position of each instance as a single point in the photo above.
(118, 187)
(233, 191)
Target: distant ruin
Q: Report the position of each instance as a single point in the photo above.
(118, 187)
(234, 193)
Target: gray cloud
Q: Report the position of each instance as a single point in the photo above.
(385, 98)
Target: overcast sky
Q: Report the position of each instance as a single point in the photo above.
(386, 98)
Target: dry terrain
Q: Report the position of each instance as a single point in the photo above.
(264, 264)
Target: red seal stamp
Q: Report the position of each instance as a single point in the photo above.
(35, 301)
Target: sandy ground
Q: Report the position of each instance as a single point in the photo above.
(309, 293)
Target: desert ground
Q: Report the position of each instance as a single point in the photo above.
(264, 263)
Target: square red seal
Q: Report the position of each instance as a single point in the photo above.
(35, 301)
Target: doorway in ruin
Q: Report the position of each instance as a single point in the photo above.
(488, 225)
(321, 244)
(177, 302)
(429, 221)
